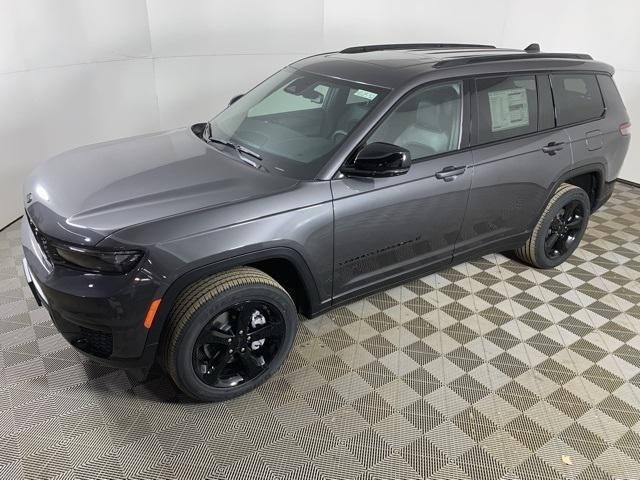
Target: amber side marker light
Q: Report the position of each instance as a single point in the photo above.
(151, 313)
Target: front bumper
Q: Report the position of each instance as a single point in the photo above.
(101, 315)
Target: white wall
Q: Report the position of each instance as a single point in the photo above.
(606, 30)
(74, 72)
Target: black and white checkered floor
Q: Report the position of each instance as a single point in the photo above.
(488, 370)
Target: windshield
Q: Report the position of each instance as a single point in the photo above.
(294, 121)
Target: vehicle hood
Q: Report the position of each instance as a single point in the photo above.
(86, 194)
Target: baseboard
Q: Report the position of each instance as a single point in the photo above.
(628, 182)
(9, 224)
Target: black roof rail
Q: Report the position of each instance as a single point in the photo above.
(454, 62)
(411, 46)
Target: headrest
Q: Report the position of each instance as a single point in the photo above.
(438, 103)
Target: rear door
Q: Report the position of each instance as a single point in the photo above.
(517, 157)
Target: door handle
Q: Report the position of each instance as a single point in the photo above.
(450, 173)
(552, 147)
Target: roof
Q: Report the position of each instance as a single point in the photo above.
(393, 65)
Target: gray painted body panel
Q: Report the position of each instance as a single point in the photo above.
(140, 179)
(385, 227)
(300, 219)
(510, 185)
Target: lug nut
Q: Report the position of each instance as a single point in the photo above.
(248, 337)
(242, 349)
(231, 351)
(241, 332)
(229, 341)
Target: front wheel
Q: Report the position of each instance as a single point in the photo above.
(228, 333)
(559, 229)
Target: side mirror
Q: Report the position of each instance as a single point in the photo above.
(379, 160)
(235, 98)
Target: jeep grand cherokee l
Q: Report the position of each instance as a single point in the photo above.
(339, 175)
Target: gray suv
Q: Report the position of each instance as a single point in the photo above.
(341, 174)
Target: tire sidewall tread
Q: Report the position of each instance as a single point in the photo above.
(532, 252)
(195, 307)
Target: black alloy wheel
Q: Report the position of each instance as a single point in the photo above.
(228, 334)
(559, 229)
(564, 230)
(238, 345)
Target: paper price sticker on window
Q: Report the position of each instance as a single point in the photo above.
(365, 94)
(509, 109)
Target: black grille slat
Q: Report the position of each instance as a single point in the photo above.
(95, 342)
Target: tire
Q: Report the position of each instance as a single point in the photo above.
(213, 311)
(552, 224)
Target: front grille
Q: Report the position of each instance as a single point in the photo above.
(94, 342)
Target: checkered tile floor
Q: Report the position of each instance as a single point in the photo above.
(488, 370)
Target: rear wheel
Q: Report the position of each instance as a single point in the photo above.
(559, 229)
(228, 333)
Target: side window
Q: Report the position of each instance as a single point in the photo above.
(427, 122)
(507, 107)
(291, 98)
(577, 97)
(612, 98)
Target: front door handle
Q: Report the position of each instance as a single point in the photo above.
(450, 173)
(552, 147)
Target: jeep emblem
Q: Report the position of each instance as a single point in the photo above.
(29, 197)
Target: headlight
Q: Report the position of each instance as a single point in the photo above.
(98, 261)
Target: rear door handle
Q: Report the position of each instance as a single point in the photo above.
(552, 147)
(450, 173)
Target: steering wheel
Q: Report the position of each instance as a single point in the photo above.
(338, 136)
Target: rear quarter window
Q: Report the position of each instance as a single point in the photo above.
(577, 98)
(613, 101)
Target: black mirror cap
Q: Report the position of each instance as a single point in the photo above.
(235, 98)
(379, 159)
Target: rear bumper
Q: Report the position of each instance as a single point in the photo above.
(100, 315)
(604, 195)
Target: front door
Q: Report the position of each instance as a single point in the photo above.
(387, 227)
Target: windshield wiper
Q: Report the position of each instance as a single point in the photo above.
(222, 142)
(206, 134)
(239, 149)
(243, 149)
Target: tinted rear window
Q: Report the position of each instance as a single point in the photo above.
(577, 97)
(507, 107)
(612, 98)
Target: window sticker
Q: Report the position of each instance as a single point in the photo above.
(509, 109)
(365, 94)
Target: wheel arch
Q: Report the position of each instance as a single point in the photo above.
(278, 262)
(594, 172)
(591, 182)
